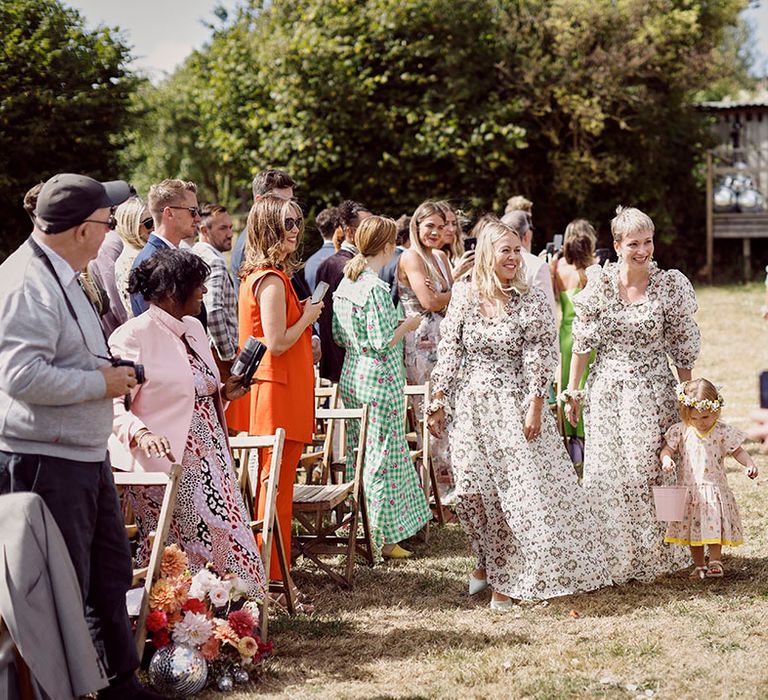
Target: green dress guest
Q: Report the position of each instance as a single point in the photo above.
(366, 324)
(570, 277)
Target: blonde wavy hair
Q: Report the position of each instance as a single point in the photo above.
(424, 211)
(456, 249)
(266, 233)
(485, 282)
(371, 237)
(630, 220)
(129, 226)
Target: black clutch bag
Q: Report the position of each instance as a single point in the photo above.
(248, 360)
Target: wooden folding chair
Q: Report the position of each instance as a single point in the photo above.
(417, 432)
(323, 509)
(149, 573)
(243, 447)
(325, 397)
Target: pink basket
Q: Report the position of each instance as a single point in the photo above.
(670, 502)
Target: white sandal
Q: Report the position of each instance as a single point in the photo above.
(715, 569)
(699, 572)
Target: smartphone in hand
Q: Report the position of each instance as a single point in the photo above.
(320, 291)
(470, 243)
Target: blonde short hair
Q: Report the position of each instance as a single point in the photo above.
(166, 194)
(129, 226)
(630, 220)
(519, 203)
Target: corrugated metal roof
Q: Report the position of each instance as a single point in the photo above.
(728, 104)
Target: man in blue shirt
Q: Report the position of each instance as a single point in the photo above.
(327, 223)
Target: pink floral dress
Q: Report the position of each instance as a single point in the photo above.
(711, 513)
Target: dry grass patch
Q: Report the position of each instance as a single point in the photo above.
(409, 630)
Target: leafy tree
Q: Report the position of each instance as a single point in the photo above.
(64, 95)
(579, 104)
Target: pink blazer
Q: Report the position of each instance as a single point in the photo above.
(164, 403)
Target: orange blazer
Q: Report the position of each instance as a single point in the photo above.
(283, 395)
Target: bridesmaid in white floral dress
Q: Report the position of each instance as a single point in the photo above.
(517, 495)
(634, 315)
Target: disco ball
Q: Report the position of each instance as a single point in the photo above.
(178, 671)
(724, 199)
(750, 200)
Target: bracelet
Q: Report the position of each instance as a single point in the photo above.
(567, 394)
(142, 436)
(435, 406)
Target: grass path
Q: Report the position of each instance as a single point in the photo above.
(409, 629)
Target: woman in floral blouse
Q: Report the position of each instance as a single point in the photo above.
(634, 315)
(517, 495)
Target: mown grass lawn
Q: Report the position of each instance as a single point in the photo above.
(409, 629)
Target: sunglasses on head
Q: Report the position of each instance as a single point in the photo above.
(290, 222)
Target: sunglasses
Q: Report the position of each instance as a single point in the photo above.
(149, 223)
(289, 223)
(111, 222)
(194, 211)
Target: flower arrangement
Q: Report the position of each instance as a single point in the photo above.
(698, 404)
(207, 612)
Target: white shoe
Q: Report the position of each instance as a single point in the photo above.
(502, 604)
(477, 584)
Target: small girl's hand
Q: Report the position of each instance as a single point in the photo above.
(667, 464)
(751, 472)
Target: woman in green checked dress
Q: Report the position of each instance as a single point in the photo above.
(365, 323)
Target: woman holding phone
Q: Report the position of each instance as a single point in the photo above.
(365, 324)
(270, 311)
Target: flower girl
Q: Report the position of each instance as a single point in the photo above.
(701, 441)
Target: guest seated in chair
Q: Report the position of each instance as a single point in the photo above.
(177, 414)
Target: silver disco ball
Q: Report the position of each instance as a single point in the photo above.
(724, 199)
(750, 201)
(178, 671)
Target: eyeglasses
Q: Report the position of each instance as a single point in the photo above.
(194, 211)
(289, 223)
(111, 222)
(149, 223)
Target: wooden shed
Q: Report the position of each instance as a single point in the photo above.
(741, 156)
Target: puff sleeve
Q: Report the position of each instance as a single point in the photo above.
(732, 438)
(682, 339)
(588, 305)
(540, 354)
(450, 351)
(674, 436)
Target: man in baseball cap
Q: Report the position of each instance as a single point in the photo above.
(57, 386)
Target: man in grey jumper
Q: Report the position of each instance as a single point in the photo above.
(56, 392)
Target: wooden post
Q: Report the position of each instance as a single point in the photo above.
(747, 250)
(709, 269)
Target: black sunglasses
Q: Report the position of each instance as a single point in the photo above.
(290, 222)
(148, 223)
(192, 210)
(111, 222)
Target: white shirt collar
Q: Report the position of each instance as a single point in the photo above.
(349, 247)
(210, 247)
(64, 271)
(166, 241)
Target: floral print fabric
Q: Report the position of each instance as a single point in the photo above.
(711, 513)
(210, 522)
(630, 403)
(519, 502)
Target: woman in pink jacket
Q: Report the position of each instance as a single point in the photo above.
(177, 414)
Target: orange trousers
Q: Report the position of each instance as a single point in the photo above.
(290, 462)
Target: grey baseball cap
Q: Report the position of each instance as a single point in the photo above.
(66, 200)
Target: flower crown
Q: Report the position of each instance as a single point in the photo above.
(699, 404)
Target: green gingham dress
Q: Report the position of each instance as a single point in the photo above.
(364, 321)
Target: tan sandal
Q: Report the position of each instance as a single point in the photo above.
(715, 569)
(699, 572)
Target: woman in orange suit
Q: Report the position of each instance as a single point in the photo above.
(283, 394)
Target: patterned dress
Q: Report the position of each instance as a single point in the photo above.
(420, 359)
(364, 321)
(630, 403)
(711, 513)
(210, 522)
(519, 501)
